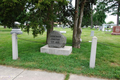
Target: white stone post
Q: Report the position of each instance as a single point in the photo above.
(14, 33)
(103, 27)
(93, 52)
(14, 46)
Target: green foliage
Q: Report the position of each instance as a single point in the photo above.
(10, 10)
(65, 14)
(70, 12)
(99, 18)
(110, 22)
(111, 6)
(41, 14)
(99, 15)
(35, 13)
(87, 14)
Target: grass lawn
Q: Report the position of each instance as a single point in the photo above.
(107, 56)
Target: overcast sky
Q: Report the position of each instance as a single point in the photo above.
(109, 17)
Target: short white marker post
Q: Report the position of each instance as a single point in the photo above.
(14, 33)
(93, 52)
(14, 46)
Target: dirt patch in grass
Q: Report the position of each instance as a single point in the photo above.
(114, 64)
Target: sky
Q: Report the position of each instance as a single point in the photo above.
(108, 18)
(111, 18)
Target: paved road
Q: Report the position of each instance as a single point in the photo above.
(9, 73)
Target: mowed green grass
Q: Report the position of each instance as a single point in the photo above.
(107, 56)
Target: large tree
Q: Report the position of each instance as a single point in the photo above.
(37, 14)
(79, 9)
(87, 15)
(99, 18)
(43, 14)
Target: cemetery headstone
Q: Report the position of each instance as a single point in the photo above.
(62, 31)
(92, 33)
(56, 44)
(100, 28)
(84, 26)
(58, 25)
(56, 40)
(116, 30)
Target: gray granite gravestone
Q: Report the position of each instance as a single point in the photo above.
(92, 33)
(56, 40)
(100, 28)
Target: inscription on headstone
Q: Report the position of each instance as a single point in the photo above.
(56, 40)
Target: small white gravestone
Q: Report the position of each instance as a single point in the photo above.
(14, 33)
(92, 33)
(62, 31)
(58, 25)
(80, 40)
(93, 52)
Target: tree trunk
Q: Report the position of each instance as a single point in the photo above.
(49, 30)
(77, 24)
(4, 27)
(50, 27)
(74, 39)
(118, 14)
(79, 31)
(91, 16)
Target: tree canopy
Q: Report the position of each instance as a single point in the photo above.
(78, 18)
(111, 6)
(10, 11)
(99, 18)
(38, 13)
(42, 13)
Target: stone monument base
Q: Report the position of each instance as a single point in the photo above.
(114, 33)
(58, 51)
